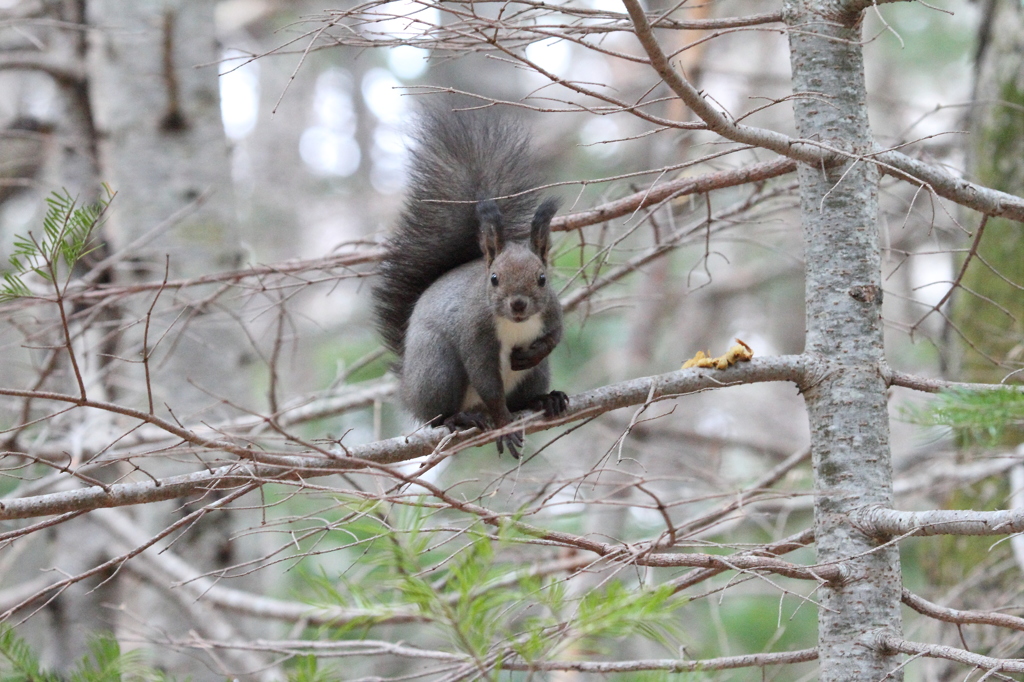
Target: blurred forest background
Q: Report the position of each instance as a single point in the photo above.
(305, 179)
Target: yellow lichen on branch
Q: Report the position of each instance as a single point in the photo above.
(741, 352)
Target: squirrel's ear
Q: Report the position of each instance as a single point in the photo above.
(492, 233)
(540, 228)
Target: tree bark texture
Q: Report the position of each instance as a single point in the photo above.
(846, 403)
(156, 101)
(73, 616)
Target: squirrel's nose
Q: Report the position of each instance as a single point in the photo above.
(518, 305)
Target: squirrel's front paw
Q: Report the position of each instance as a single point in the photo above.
(553, 404)
(531, 356)
(526, 358)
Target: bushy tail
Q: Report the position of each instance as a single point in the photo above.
(460, 156)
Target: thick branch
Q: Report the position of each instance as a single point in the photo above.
(911, 381)
(982, 199)
(700, 184)
(256, 469)
(881, 522)
(895, 644)
(59, 69)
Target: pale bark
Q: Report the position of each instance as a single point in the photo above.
(642, 391)
(847, 405)
(990, 665)
(960, 616)
(881, 522)
(83, 609)
(342, 649)
(155, 93)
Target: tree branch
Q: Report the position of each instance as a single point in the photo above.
(262, 468)
(982, 199)
(784, 546)
(911, 381)
(715, 120)
(700, 184)
(673, 665)
(347, 648)
(163, 568)
(45, 62)
(948, 615)
(880, 522)
(639, 554)
(116, 562)
(895, 644)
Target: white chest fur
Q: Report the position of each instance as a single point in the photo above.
(510, 334)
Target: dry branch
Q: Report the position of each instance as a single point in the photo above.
(880, 522)
(262, 468)
(346, 649)
(948, 615)
(895, 644)
(911, 381)
(698, 184)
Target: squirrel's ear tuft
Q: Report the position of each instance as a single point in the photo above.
(540, 228)
(492, 233)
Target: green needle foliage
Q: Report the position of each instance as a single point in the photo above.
(982, 417)
(68, 236)
(306, 669)
(103, 663)
(471, 587)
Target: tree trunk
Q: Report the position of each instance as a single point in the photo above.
(155, 93)
(847, 403)
(84, 608)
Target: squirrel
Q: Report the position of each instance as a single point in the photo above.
(463, 297)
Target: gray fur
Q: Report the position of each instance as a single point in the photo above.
(463, 281)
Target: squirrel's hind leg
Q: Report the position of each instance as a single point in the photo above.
(432, 382)
(469, 419)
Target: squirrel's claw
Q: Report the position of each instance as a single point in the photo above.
(553, 404)
(514, 441)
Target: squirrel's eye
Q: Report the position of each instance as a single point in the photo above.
(542, 280)
(494, 279)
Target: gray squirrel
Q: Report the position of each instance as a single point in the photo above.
(463, 297)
